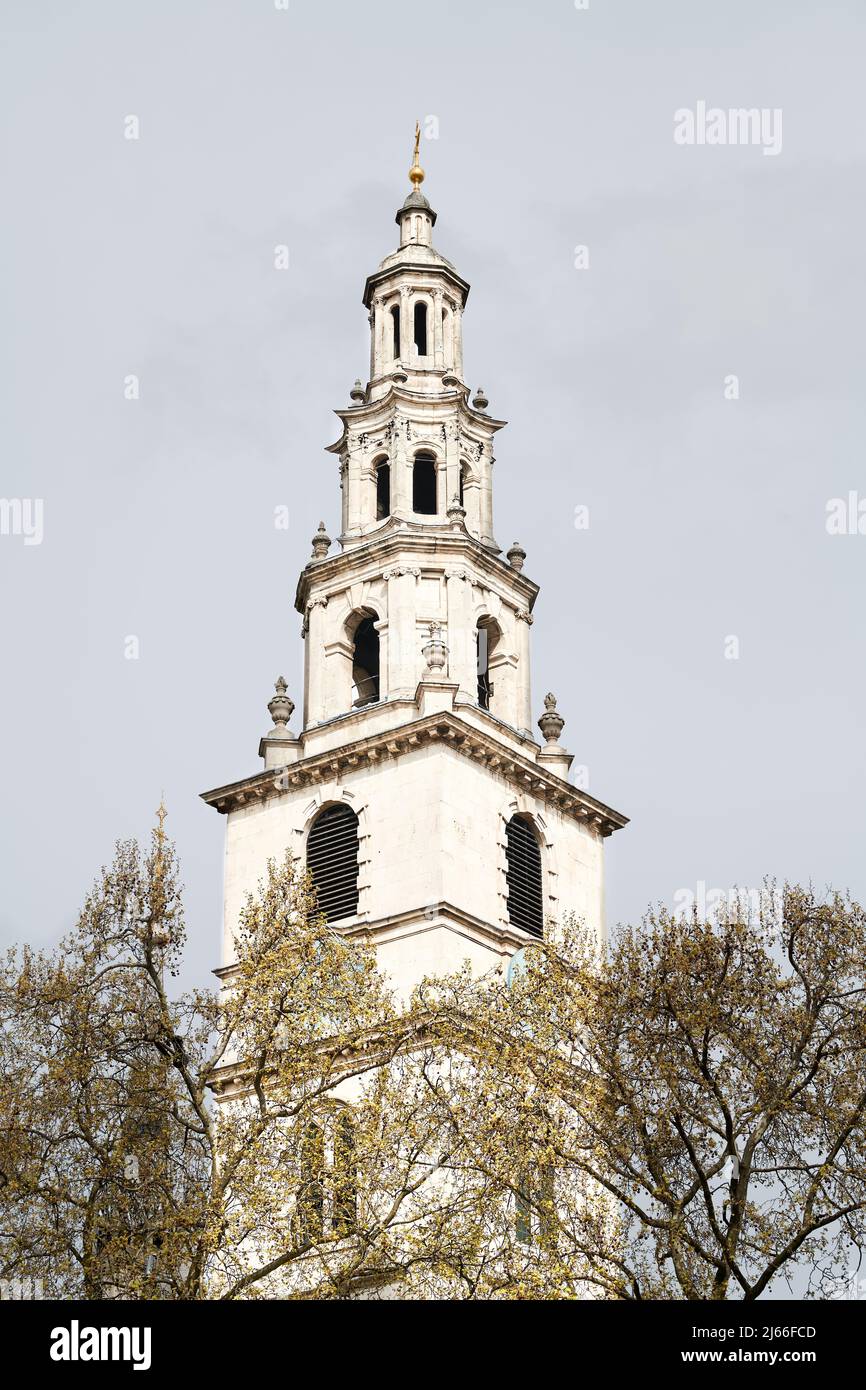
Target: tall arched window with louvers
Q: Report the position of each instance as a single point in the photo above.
(332, 859)
(523, 856)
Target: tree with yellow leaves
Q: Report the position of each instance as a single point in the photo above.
(676, 1114)
(240, 1145)
(682, 1114)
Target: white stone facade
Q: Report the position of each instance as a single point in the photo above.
(432, 769)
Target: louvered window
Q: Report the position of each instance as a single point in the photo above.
(332, 858)
(525, 907)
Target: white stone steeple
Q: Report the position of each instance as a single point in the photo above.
(417, 708)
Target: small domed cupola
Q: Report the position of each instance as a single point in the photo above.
(416, 219)
(415, 302)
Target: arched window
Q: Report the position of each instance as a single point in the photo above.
(395, 322)
(365, 663)
(464, 473)
(345, 1176)
(523, 856)
(420, 323)
(383, 489)
(332, 859)
(486, 638)
(311, 1190)
(424, 485)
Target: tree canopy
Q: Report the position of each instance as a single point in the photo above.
(678, 1113)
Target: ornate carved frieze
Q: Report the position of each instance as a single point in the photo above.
(473, 448)
(364, 439)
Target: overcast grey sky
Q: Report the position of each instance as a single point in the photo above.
(707, 516)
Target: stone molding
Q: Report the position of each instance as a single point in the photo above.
(415, 921)
(459, 554)
(446, 728)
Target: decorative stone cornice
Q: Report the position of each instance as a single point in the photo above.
(432, 546)
(378, 419)
(437, 270)
(446, 728)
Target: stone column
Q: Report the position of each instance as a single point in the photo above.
(337, 676)
(314, 661)
(462, 649)
(458, 341)
(401, 483)
(472, 503)
(485, 501)
(367, 483)
(383, 627)
(452, 458)
(344, 495)
(404, 651)
(378, 354)
(442, 498)
(407, 352)
(524, 684)
(438, 342)
(355, 492)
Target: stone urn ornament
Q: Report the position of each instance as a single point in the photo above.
(280, 707)
(456, 513)
(551, 724)
(435, 652)
(321, 542)
(516, 555)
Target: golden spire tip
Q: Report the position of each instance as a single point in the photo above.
(416, 173)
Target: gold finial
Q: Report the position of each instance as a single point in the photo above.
(416, 173)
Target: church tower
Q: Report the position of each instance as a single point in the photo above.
(435, 823)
